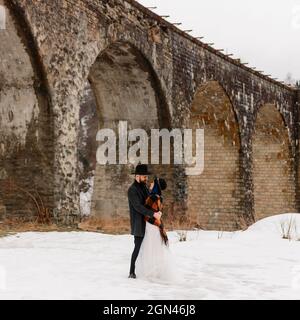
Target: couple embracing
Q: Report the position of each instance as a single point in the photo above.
(151, 258)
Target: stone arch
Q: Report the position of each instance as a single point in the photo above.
(26, 131)
(215, 197)
(273, 177)
(121, 86)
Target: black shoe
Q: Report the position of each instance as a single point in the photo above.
(132, 276)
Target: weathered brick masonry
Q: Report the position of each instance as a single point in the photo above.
(70, 67)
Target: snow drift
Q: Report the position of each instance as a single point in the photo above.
(255, 264)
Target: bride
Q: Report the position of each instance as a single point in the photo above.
(155, 259)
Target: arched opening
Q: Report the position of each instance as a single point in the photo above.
(214, 197)
(26, 134)
(122, 87)
(274, 186)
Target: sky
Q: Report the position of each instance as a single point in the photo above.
(264, 33)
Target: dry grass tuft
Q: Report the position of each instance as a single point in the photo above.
(118, 225)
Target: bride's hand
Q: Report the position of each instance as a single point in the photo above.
(157, 215)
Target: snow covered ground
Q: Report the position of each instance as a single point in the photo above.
(255, 264)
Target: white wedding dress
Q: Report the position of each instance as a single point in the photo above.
(155, 261)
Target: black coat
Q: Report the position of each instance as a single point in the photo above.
(137, 195)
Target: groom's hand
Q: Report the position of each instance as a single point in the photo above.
(157, 215)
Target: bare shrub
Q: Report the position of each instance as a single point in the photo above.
(288, 229)
(181, 224)
(42, 213)
(220, 234)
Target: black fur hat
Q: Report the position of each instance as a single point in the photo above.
(142, 170)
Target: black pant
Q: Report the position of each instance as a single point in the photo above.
(137, 245)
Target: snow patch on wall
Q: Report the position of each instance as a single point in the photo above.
(86, 195)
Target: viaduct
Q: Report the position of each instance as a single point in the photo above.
(71, 67)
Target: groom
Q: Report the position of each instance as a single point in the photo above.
(137, 195)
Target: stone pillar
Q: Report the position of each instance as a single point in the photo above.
(246, 216)
(246, 167)
(63, 50)
(66, 180)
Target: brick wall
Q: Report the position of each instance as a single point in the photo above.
(25, 132)
(214, 197)
(273, 175)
